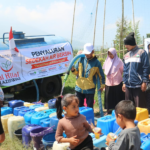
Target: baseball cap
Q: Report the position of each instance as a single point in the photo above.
(88, 48)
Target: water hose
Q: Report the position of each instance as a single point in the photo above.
(71, 64)
(98, 82)
(99, 97)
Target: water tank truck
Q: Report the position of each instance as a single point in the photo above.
(47, 86)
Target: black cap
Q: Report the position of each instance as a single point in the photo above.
(130, 40)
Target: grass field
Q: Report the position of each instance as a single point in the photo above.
(29, 95)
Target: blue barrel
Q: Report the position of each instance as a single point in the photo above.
(45, 122)
(88, 113)
(51, 103)
(36, 118)
(145, 142)
(15, 103)
(48, 139)
(6, 111)
(28, 115)
(23, 112)
(35, 106)
(106, 124)
(17, 109)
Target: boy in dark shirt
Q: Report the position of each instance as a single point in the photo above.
(129, 137)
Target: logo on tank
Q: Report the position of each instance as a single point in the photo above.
(6, 66)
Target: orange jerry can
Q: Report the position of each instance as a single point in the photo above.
(141, 114)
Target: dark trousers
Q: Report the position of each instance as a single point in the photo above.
(137, 96)
(87, 144)
(148, 100)
(89, 99)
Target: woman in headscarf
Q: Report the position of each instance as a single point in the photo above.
(113, 69)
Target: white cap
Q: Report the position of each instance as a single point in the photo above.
(88, 48)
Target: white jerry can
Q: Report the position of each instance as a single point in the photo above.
(41, 108)
(61, 146)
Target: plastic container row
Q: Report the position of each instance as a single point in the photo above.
(106, 123)
(48, 117)
(18, 103)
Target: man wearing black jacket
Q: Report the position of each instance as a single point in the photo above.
(136, 71)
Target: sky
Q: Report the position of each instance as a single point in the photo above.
(56, 16)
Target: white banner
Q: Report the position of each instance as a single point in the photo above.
(147, 44)
(34, 63)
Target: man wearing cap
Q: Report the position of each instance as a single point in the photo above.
(86, 69)
(136, 71)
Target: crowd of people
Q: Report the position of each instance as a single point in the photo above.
(125, 89)
(125, 80)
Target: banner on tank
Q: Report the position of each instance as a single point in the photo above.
(33, 63)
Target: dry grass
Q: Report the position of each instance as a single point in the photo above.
(14, 144)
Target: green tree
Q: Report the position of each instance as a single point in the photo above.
(137, 33)
(127, 28)
(148, 35)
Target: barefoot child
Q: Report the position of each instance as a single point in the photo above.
(74, 124)
(129, 137)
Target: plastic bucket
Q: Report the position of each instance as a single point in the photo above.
(37, 135)
(18, 134)
(26, 138)
(49, 139)
(51, 103)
